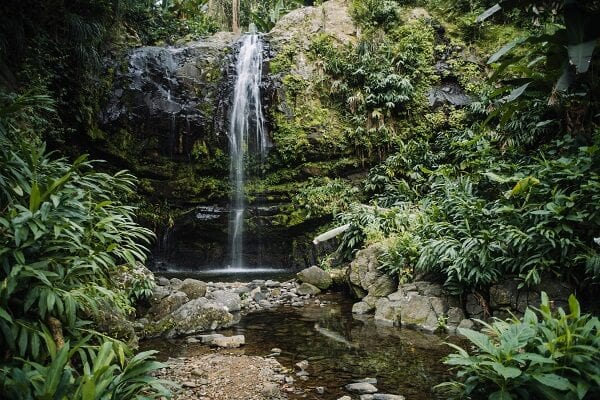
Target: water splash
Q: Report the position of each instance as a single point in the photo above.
(247, 135)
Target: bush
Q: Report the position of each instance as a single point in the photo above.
(64, 229)
(553, 356)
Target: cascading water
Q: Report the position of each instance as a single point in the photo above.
(247, 136)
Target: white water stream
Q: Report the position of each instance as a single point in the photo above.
(247, 136)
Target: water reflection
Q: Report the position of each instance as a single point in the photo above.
(341, 348)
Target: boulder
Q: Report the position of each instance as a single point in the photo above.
(308, 289)
(362, 308)
(158, 293)
(231, 300)
(208, 338)
(365, 277)
(196, 316)
(422, 312)
(338, 276)
(193, 288)
(388, 312)
(382, 286)
(455, 315)
(411, 309)
(315, 276)
(168, 304)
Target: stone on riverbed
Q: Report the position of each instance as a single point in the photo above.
(168, 304)
(362, 308)
(361, 388)
(196, 316)
(230, 300)
(193, 288)
(384, 396)
(308, 289)
(229, 342)
(315, 276)
(209, 338)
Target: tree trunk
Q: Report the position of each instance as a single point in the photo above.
(235, 16)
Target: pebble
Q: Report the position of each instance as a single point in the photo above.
(289, 380)
(276, 350)
(345, 398)
(384, 396)
(272, 284)
(320, 389)
(270, 389)
(189, 384)
(302, 364)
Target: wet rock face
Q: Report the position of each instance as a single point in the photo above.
(170, 97)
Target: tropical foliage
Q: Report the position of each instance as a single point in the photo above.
(553, 355)
(504, 186)
(64, 228)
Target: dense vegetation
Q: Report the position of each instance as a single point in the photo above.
(67, 230)
(507, 185)
(503, 183)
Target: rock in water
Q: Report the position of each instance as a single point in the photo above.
(315, 276)
(229, 342)
(196, 316)
(308, 289)
(230, 300)
(361, 388)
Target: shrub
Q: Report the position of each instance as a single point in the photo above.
(64, 229)
(553, 356)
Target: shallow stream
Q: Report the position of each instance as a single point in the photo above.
(340, 348)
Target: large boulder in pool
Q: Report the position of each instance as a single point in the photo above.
(167, 305)
(198, 315)
(315, 276)
(365, 277)
(231, 300)
(193, 288)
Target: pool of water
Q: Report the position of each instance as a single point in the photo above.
(340, 348)
(231, 275)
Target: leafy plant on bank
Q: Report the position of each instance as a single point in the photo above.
(546, 356)
(64, 229)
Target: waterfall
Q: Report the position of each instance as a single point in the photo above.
(247, 136)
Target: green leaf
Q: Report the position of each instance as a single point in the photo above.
(516, 93)
(34, 198)
(506, 372)
(552, 380)
(574, 306)
(5, 315)
(500, 395)
(496, 178)
(566, 79)
(505, 49)
(488, 13)
(479, 339)
(522, 186)
(580, 55)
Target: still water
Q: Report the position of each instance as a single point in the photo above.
(340, 348)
